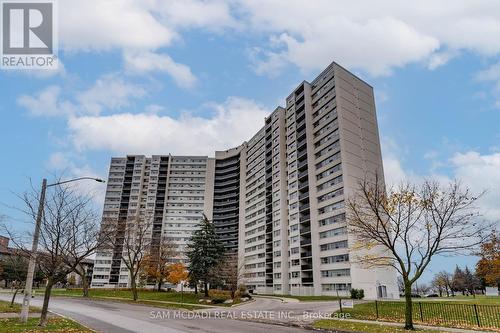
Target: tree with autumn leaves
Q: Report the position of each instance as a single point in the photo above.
(156, 263)
(409, 225)
(177, 273)
(488, 267)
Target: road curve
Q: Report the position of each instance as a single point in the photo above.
(107, 316)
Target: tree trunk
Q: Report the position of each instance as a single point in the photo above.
(45, 307)
(205, 283)
(14, 297)
(196, 288)
(134, 289)
(85, 285)
(159, 284)
(408, 307)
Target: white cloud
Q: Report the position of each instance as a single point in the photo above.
(57, 162)
(46, 103)
(108, 92)
(231, 123)
(211, 14)
(439, 59)
(375, 39)
(138, 28)
(491, 75)
(481, 173)
(361, 36)
(388, 42)
(104, 25)
(143, 62)
(68, 166)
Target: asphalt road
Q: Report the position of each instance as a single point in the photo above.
(107, 316)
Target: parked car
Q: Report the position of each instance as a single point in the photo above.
(432, 295)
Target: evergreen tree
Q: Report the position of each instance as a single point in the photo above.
(205, 251)
(459, 283)
(472, 283)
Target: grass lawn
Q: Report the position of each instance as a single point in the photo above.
(479, 299)
(5, 307)
(189, 299)
(349, 326)
(451, 314)
(55, 324)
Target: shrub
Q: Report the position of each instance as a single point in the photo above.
(216, 293)
(357, 293)
(242, 289)
(218, 300)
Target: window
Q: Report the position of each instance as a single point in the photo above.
(333, 232)
(334, 259)
(332, 207)
(336, 272)
(336, 286)
(333, 246)
(332, 220)
(331, 195)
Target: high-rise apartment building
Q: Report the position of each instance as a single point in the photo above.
(170, 191)
(278, 200)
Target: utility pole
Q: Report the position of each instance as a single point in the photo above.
(34, 249)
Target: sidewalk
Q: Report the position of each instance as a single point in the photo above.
(5, 315)
(437, 328)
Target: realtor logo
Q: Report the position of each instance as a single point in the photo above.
(28, 35)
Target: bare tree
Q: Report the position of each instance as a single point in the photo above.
(448, 278)
(82, 271)
(156, 263)
(14, 271)
(227, 273)
(421, 289)
(135, 249)
(69, 233)
(442, 282)
(411, 225)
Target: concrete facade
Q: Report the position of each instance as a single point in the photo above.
(279, 198)
(170, 190)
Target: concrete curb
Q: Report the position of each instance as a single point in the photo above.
(243, 303)
(282, 299)
(76, 321)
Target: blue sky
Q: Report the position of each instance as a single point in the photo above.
(195, 76)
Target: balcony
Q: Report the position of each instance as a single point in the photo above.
(303, 185)
(301, 165)
(306, 254)
(302, 174)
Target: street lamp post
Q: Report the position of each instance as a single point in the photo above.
(34, 247)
